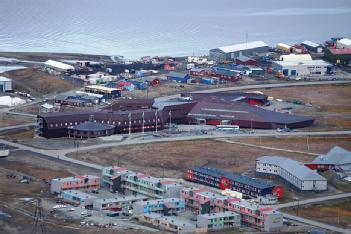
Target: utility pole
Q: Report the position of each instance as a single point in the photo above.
(39, 225)
(308, 143)
(130, 123)
(156, 120)
(143, 123)
(170, 118)
(251, 125)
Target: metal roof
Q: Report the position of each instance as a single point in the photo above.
(244, 58)
(177, 74)
(219, 215)
(239, 111)
(4, 79)
(317, 62)
(296, 57)
(79, 194)
(345, 41)
(311, 44)
(76, 178)
(335, 156)
(174, 220)
(160, 201)
(242, 46)
(296, 168)
(120, 199)
(218, 173)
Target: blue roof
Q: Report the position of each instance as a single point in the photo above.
(218, 173)
(177, 74)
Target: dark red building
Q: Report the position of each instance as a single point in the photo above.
(200, 72)
(249, 187)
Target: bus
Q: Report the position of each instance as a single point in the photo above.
(227, 127)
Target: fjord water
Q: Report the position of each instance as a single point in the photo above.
(136, 28)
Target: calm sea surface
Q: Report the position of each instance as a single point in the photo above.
(134, 28)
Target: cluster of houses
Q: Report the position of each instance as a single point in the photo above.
(163, 203)
(168, 205)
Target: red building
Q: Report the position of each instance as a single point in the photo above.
(243, 60)
(200, 72)
(220, 179)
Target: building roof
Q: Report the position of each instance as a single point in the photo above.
(175, 220)
(336, 156)
(102, 88)
(345, 51)
(242, 46)
(120, 199)
(296, 168)
(76, 178)
(318, 62)
(4, 79)
(215, 172)
(243, 58)
(79, 194)
(160, 201)
(311, 44)
(177, 74)
(219, 215)
(240, 111)
(226, 96)
(296, 57)
(345, 41)
(92, 126)
(58, 65)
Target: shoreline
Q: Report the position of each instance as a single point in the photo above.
(43, 56)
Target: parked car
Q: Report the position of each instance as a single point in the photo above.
(283, 130)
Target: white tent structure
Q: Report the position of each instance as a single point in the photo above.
(58, 66)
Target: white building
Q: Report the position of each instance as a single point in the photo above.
(344, 43)
(218, 221)
(294, 172)
(233, 51)
(302, 68)
(5, 84)
(295, 57)
(58, 66)
(78, 197)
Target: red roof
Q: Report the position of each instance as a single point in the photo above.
(119, 169)
(265, 209)
(341, 51)
(124, 83)
(141, 175)
(167, 182)
(233, 199)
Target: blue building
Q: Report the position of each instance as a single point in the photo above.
(167, 206)
(78, 197)
(180, 77)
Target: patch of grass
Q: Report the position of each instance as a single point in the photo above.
(334, 181)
